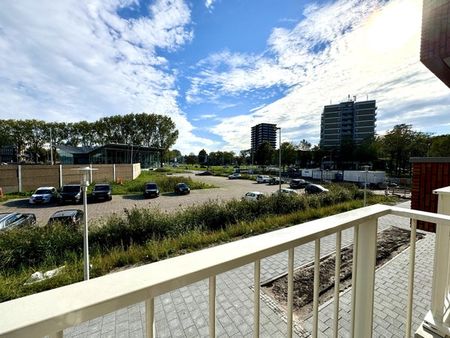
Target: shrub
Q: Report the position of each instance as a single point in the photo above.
(55, 244)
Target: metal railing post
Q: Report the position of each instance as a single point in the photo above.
(434, 320)
(150, 317)
(363, 292)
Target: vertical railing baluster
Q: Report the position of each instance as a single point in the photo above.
(354, 273)
(256, 309)
(150, 317)
(290, 300)
(316, 288)
(212, 306)
(412, 259)
(337, 280)
(363, 295)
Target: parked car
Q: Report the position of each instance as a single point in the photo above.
(43, 195)
(275, 180)
(253, 196)
(182, 189)
(102, 191)
(151, 190)
(70, 193)
(71, 217)
(286, 191)
(262, 179)
(16, 219)
(298, 183)
(315, 189)
(234, 176)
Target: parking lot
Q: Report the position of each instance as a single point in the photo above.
(226, 190)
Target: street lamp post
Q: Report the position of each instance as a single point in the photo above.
(366, 169)
(51, 147)
(279, 161)
(84, 185)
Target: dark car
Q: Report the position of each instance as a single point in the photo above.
(70, 193)
(182, 189)
(298, 183)
(102, 192)
(16, 219)
(315, 189)
(71, 217)
(275, 180)
(151, 190)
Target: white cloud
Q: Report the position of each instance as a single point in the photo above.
(346, 47)
(209, 3)
(76, 60)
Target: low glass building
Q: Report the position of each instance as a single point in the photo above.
(148, 157)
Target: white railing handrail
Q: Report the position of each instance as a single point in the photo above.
(73, 304)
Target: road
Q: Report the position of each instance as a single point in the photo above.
(226, 190)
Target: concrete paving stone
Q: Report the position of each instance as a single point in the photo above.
(235, 298)
(137, 334)
(122, 334)
(191, 332)
(122, 326)
(109, 334)
(135, 325)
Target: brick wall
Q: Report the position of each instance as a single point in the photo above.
(428, 174)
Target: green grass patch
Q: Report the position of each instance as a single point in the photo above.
(163, 177)
(146, 235)
(15, 195)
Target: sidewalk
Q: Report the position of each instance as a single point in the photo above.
(184, 312)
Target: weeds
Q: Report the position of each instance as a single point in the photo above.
(147, 235)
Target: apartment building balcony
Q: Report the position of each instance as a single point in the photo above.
(217, 291)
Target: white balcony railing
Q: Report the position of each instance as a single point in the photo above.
(73, 304)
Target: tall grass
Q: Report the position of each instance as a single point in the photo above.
(165, 181)
(111, 256)
(34, 246)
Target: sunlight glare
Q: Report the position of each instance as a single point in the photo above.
(394, 27)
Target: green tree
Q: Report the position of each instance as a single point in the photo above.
(174, 155)
(202, 157)
(264, 154)
(166, 134)
(191, 159)
(401, 143)
(304, 145)
(288, 154)
(440, 146)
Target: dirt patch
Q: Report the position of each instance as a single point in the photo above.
(390, 243)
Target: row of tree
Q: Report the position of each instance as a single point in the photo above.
(150, 130)
(390, 152)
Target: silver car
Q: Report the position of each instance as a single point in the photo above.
(15, 219)
(43, 195)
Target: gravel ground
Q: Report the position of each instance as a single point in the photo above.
(226, 190)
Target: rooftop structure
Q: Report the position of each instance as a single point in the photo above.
(264, 132)
(349, 120)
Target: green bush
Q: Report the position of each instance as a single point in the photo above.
(55, 244)
(32, 246)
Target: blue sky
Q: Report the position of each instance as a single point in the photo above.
(217, 67)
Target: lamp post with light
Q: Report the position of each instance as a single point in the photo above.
(366, 169)
(86, 173)
(279, 160)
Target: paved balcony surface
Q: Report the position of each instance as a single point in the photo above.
(184, 312)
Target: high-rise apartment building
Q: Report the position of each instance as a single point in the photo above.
(347, 121)
(435, 42)
(264, 132)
